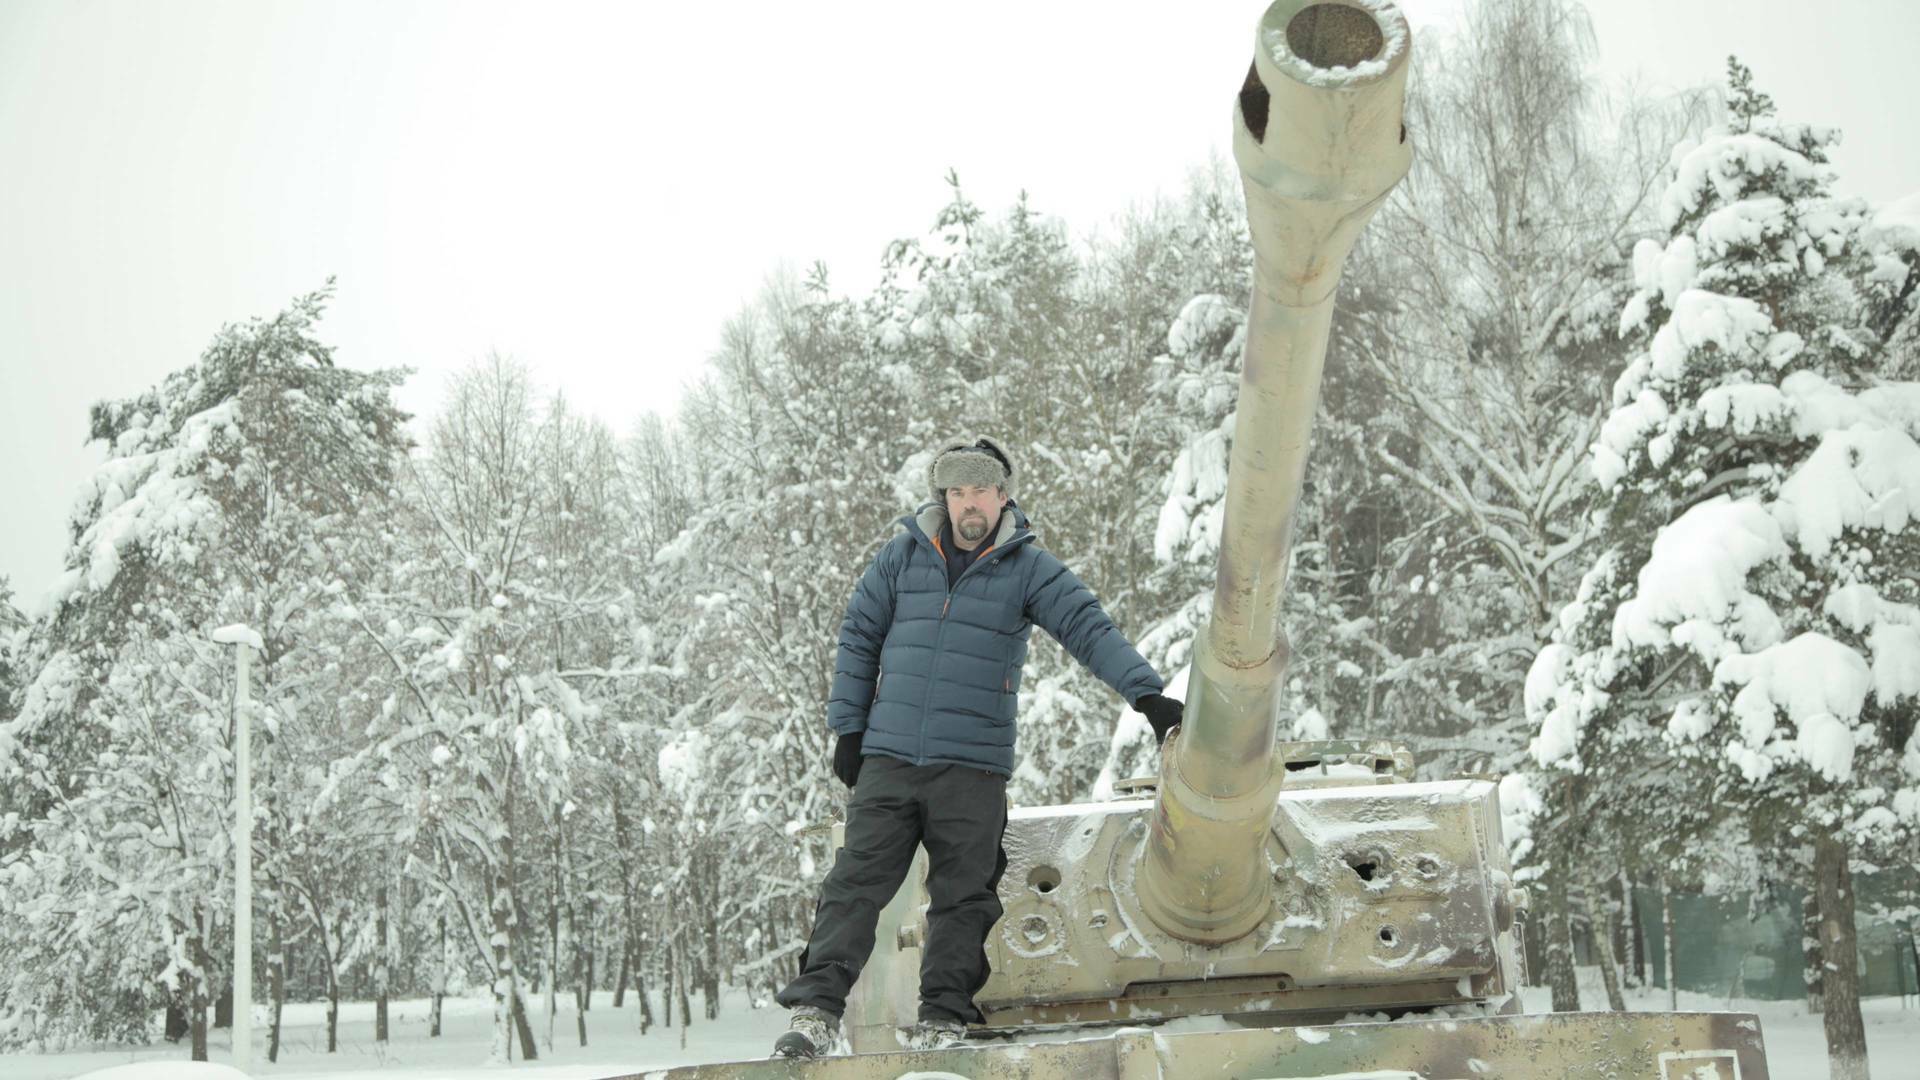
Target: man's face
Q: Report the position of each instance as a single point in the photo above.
(974, 510)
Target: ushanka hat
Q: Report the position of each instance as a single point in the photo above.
(961, 464)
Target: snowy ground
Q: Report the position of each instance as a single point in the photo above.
(1796, 1048)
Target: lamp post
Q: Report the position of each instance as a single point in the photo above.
(244, 642)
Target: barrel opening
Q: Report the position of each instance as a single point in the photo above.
(1253, 104)
(1334, 35)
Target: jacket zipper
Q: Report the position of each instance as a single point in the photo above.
(977, 560)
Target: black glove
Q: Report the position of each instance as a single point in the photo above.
(1162, 712)
(846, 758)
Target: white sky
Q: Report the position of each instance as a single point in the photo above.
(595, 188)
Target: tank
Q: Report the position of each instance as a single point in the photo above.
(1264, 908)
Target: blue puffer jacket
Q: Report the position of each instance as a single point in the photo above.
(932, 675)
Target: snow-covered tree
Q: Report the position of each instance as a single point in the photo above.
(472, 751)
(1499, 254)
(13, 627)
(1753, 613)
(227, 495)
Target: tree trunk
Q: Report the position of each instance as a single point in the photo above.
(620, 980)
(1666, 930)
(630, 965)
(582, 971)
(196, 1004)
(580, 996)
(508, 919)
(710, 984)
(380, 965)
(504, 996)
(277, 977)
(329, 966)
(554, 888)
(593, 955)
(767, 924)
(640, 985)
(197, 998)
(680, 985)
(223, 1007)
(440, 980)
(1602, 923)
(1815, 970)
(1560, 977)
(1636, 934)
(197, 1017)
(1913, 948)
(1846, 1033)
(524, 1026)
(333, 1008)
(799, 927)
(176, 1025)
(666, 990)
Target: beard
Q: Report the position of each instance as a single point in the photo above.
(973, 527)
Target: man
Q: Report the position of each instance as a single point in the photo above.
(924, 691)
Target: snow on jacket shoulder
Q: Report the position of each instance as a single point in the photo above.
(932, 674)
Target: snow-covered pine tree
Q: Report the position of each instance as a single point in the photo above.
(1753, 616)
(227, 495)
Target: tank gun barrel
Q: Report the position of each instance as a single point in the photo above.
(1319, 139)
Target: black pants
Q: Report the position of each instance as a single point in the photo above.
(959, 814)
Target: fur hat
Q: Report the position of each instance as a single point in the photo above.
(981, 462)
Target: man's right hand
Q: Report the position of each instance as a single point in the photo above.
(1163, 714)
(846, 758)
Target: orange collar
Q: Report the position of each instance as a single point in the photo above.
(977, 556)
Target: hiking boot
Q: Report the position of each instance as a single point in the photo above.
(810, 1033)
(936, 1035)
